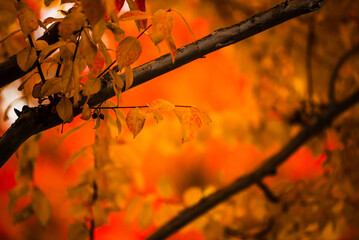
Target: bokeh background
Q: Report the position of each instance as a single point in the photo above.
(251, 91)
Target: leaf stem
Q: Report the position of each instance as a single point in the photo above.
(37, 60)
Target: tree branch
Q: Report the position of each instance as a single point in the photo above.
(38, 119)
(10, 71)
(266, 169)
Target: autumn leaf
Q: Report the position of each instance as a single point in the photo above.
(48, 2)
(77, 231)
(41, 206)
(146, 215)
(134, 15)
(92, 86)
(27, 17)
(172, 46)
(117, 84)
(128, 77)
(117, 32)
(100, 215)
(118, 121)
(119, 5)
(159, 105)
(94, 10)
(162, 25)
(21, 190)
(23, 214)
(73, 22)
(88, 49)
(140, 5)
(86, 112)
(64, 110)
(26, 58)
(127, 52)
(192, 195)
(52, 86)
(191, 121)
(97, 65)
(165, 187)
(135, 120)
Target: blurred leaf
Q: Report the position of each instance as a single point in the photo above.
(41, 206)
(94, 10)
(159, 105)
(165, 187)
(21, 190)
(135, 120)
(145, 216)
(86, 112)
(192, 196)
(27, 17)
(23, 214)
(77, 231)
(172, 46)
(26, 58)
(87, 47)
(118, 121)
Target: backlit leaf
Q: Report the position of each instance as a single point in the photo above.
(26, 58)
(135, 120)
(46, 51)
(129, 77)
(52, 86)
(94, 10)
(48, 2)
(162, 25)
(172, 46)
(165, 187)
(77, 231)
(98, 30)
(41, 206)
(97, 65)
(118, 121)
(192, 195)
(128, 51)
(118, 33)
(159, 105)
(27, 17)
(92, 86)
(119, 5)
(64, 110)
(145, 216)
(73, 22)
(132, 208)
(140, 5)
(134, 15)
(100, 215)
(192, 120)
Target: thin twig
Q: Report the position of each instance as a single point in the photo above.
(267, 192)
(37, 60)
(346, 56)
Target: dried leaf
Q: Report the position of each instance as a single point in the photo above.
(77, 231)
(97, 65)
(162, 25)
(191, 122)
(46, 51)
(41, 206)
(129, 77)
(27, 17)
(127, 52)
(118, 33)
(74, 21)
(94, 10)
(134, 15)
(133, 208)
(64, 110)
(87, 48)
(92, 86)
(86, 112)
(135, 120)
(52, 86)
(98, 30)
(26, 58)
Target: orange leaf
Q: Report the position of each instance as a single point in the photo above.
(92, 86)
(140, 5)
(27, 17)
(26, 58)
(134, 15)
(119, 5)
(97, 65)
(128, 77)
(160, 105)
(162, 25)
(87, 48)
(94, 10)
(135, 120)
(191, 122)
(172, 46)
(127, 52)
(71, 23)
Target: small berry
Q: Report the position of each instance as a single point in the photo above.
(94, 115)
(102, 116)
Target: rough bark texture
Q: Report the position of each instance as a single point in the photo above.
(35, 120)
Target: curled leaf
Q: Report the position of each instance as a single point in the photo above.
(162, 25)
(134, 15)
(86, 112)
(135, 120)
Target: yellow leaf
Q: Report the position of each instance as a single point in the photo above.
(145, 216)
(64, 110)
(92, 86)
(87, 48)
(162, 25)
(27, 17)
(191, 123)
(129, 77)
(159, 105)
(165, 187)
(52, 86)
(26, 58)
(133, 208)
(94, 10)
(135, 120)
(192, 195)
(118, 33)
(118, 121)
(41, 206)
(172, 46)
(77, 231)
(127, 52)
(117, 83)
(86, 112)
(98, 30)
(134, 15)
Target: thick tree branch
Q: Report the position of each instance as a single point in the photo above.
(267, 168)
(35, 120)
